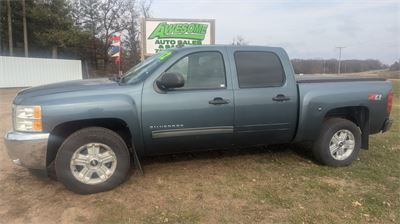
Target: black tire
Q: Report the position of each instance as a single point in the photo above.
(85, 136)
(321, 150)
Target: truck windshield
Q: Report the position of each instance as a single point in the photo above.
(145, 67)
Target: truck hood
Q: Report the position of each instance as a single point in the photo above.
(69, 86)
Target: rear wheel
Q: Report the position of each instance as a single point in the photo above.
(92, 160)
(338, 144)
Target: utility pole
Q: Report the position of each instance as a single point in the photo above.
(10, 38)
(340, 57)
(25, 29)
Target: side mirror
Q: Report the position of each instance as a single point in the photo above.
(170, 80)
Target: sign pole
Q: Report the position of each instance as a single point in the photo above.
(143, 39)
(120, 57)
(119, 67)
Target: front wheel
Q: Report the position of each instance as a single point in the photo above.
(338, 144)
(92, 160)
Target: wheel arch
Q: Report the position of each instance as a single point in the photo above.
(359, 115)
(63, 130)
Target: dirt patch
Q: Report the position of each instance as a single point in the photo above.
(337, 182)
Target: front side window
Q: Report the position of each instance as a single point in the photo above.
(258, 69)
(204, 70)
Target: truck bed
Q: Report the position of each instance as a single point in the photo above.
(318, 78)
(326, 93)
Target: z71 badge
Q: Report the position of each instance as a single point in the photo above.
(374, 97)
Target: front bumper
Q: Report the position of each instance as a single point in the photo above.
(27, 149)
(387, 125)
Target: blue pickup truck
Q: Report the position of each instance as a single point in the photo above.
(90, 132)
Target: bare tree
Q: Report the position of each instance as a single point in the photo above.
(145, 6)
(86, 15)
(105, 18)
(395, 66)
(132, 34)
(113, 15)
(137, 11)
(239, 40)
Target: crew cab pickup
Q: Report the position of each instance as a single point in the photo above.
(190, 99)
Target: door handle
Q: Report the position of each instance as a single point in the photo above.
(218, 101)
(280, 98)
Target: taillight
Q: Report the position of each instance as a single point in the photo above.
(389, 102)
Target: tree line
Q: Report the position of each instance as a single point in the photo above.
(73, 29)
(331, 66)
(80, 29)
(320, 66)
(395, 66)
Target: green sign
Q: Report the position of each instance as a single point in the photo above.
(191, 31)
(161, 35)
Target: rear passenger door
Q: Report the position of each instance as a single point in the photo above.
(265, 96)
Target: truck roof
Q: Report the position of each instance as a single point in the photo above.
(219, 46)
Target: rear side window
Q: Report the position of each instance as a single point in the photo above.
(258, 69)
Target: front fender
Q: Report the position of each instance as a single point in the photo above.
(118, 106)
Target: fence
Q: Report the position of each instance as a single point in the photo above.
(25, 72)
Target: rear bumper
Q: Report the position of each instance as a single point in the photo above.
(27, 149)
(387, 125)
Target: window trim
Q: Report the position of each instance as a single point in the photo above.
(264, 86)
(194, 89)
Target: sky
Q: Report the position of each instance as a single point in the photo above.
(306, 29)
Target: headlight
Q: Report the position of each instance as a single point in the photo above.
(28, 118)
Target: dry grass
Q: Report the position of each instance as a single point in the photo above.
(385, 73)
(277, 184)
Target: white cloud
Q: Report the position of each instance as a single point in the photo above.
(307, 29)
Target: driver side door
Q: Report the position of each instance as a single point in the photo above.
(198, 115)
